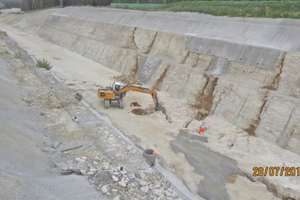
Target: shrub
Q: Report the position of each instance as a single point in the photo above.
(268, 12)
(44, 64)
(233, 12)
(294, 15)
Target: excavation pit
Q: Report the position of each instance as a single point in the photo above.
(141, 111)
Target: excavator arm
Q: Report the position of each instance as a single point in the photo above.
(143, 90)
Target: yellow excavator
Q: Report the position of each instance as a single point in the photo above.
(114, 95)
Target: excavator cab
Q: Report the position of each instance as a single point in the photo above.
(116, 86)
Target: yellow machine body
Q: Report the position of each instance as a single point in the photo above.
(106, 94)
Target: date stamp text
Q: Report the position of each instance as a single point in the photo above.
(276, 171)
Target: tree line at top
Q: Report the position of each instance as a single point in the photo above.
(6, 4)
(27, 5)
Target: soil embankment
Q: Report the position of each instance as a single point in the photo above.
(229, 67)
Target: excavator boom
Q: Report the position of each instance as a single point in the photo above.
(143, 90)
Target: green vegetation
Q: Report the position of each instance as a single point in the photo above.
(142, 1)
(44, 64)
(49, 100)
(233, 8)
(6, 52)
(269, 9)
(135, 5)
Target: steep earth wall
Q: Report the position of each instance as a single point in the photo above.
(232, 67)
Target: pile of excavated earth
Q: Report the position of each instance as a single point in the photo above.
(239, 77)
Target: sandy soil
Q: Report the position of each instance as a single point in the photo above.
(154, 131)
(90, 147)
